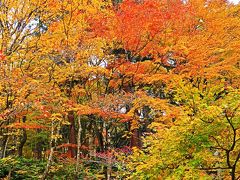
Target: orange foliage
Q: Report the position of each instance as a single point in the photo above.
(25, 126)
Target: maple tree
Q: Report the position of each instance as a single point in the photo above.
(119, 89)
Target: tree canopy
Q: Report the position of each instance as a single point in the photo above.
(100, 89)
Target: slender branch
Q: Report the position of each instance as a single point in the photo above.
(218, 143)
(213, 168)
(228, 158)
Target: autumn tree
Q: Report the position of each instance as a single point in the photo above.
(200, 87)
(93, 88)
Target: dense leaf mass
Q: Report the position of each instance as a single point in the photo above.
(110, 89)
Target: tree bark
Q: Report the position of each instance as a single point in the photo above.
(78, 145)
(23, 139)
(72, 134)
(49, 162)
(39, 147)
(5, 147)
(135, 139)
(99, 137)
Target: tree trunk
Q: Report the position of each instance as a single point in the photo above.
(92, 150)
(39, 150)
(108, 167)
(99, 137)
(78, 145)
(5, 146)
(135, 139)
(109, 158)
(23, 139)
(39, 147)
(72, 134)
(4, 141)
(49, 162)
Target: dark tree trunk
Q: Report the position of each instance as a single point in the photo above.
(233, 173)
(135, 138)
(99, 137)
(72, 134)
(39, 150)
(39, 147)
(3, 146)
(23, 139)
(4, 141)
